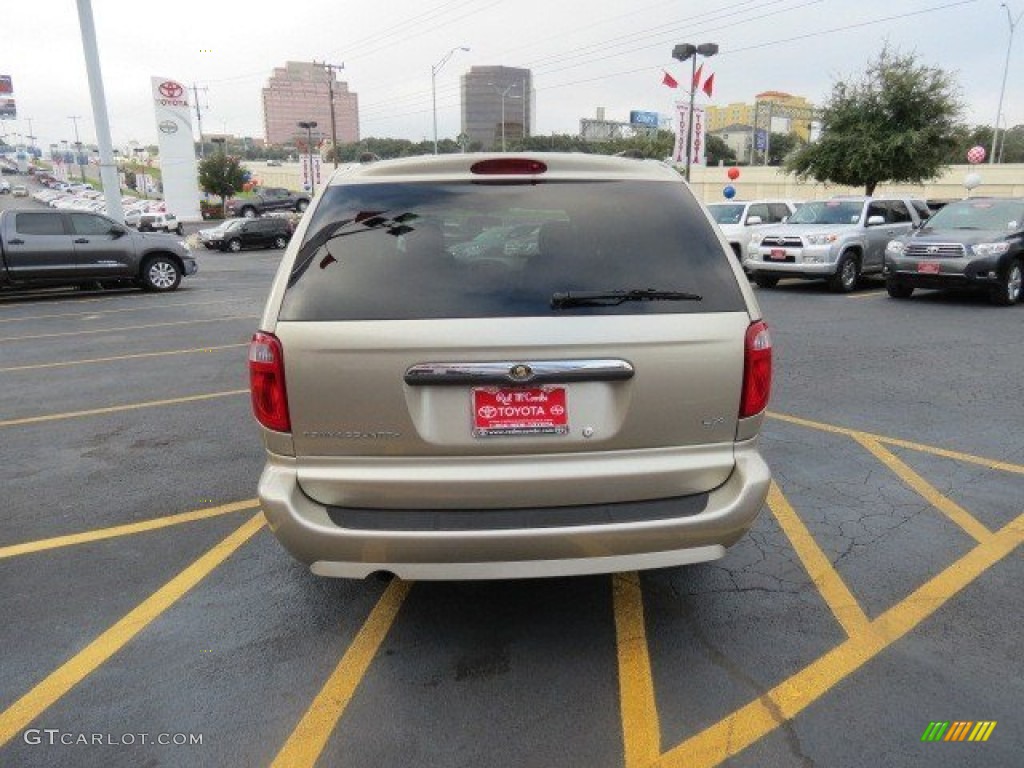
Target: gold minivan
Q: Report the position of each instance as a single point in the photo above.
(586, 403)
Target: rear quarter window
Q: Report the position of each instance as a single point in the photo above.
(378, 251)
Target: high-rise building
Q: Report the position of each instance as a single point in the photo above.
(487, 93)
(299, 92)
(785, 112)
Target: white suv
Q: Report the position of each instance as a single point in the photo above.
(587, 405)
(740, 219)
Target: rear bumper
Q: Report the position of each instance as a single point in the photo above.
(306, 530)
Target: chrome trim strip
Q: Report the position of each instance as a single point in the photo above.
(501, 372)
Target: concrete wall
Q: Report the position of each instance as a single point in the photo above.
(1006, 180)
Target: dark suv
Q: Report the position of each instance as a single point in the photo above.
(236, 234)
(978, 242)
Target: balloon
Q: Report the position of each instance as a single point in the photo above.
(976, 155)
(733, 173)
(971, 180)
(729, 191)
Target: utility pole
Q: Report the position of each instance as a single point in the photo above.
(329, 68)
(199, 116)
(1006, 70)
(78, 146)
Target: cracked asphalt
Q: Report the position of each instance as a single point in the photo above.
(879, 590)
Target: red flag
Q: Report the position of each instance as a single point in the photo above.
(696, 77)
(709, 85)
(669, 80)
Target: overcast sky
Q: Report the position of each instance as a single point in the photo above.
(584, 54)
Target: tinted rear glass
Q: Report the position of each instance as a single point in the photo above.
(382, 251)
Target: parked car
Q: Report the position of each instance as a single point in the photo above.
(739, 220)
(591, 408)
(236, 234)
(19, 190)
(977, 243)
(266, 199)
(159, 221)
(836, 240)
(5, 187)
(43, 247)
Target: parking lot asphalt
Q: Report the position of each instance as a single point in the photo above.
(145, 600)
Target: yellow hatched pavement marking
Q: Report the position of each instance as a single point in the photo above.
(750, 723)
(26, 709)
(128, 529)
(1003, 466)
(944, 504)
(310, 736)
(826, 578)
(119, 408)
(641, 732)
(136, 356)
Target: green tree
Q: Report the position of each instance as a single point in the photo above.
(898, 122)
(717, 152)
(780, 145)
(222, 175)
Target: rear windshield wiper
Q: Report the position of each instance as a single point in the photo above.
(614, 298)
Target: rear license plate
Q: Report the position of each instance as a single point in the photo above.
(502, 412)
(778, 254)
(928, 267)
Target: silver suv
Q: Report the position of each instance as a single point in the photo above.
(836, 240)
(589, 404)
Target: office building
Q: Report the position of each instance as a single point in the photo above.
(487, 93)
(299, 92)
(786, 113)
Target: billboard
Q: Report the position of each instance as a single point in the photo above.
(648, 119)
(177, 151)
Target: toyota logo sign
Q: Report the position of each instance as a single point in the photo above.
(168, 126)
(171, 90)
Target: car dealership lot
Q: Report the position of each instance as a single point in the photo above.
(878, 592)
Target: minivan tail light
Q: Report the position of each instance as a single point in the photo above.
(266, 382)
(508, 166)
(757, 370)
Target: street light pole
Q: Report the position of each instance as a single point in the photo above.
(309, 126)
(330, 90)
(503, 95)
(682, 52)
(434, 69)
(1006, 68)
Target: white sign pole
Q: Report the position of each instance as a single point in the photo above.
(177, 152)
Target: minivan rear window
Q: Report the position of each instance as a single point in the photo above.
(400, 251)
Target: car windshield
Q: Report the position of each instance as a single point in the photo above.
(229, 226)
(724, 213)
(828, 212)
(996, 215)
(379, 251)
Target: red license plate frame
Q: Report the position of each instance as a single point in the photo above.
(777, 254)
(517, 411)
(928, 267)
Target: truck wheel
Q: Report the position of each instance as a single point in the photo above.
(160, 274)
(280, 242)
(180, 230)
(1008, 290)
(249, 212)
(765, 281)
(234, 245)
(898, 290)
(302, 205)
(847, 274)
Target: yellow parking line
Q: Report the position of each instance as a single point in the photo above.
(641, 732)
(944, 504)
(55, 685)
(823, 574)
(127, 529)
(126, 329)
(137, 356)
(734, 733)
(118, 408)
(869, 295)
(1003, 466)
(147, 308)
(310, 736)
